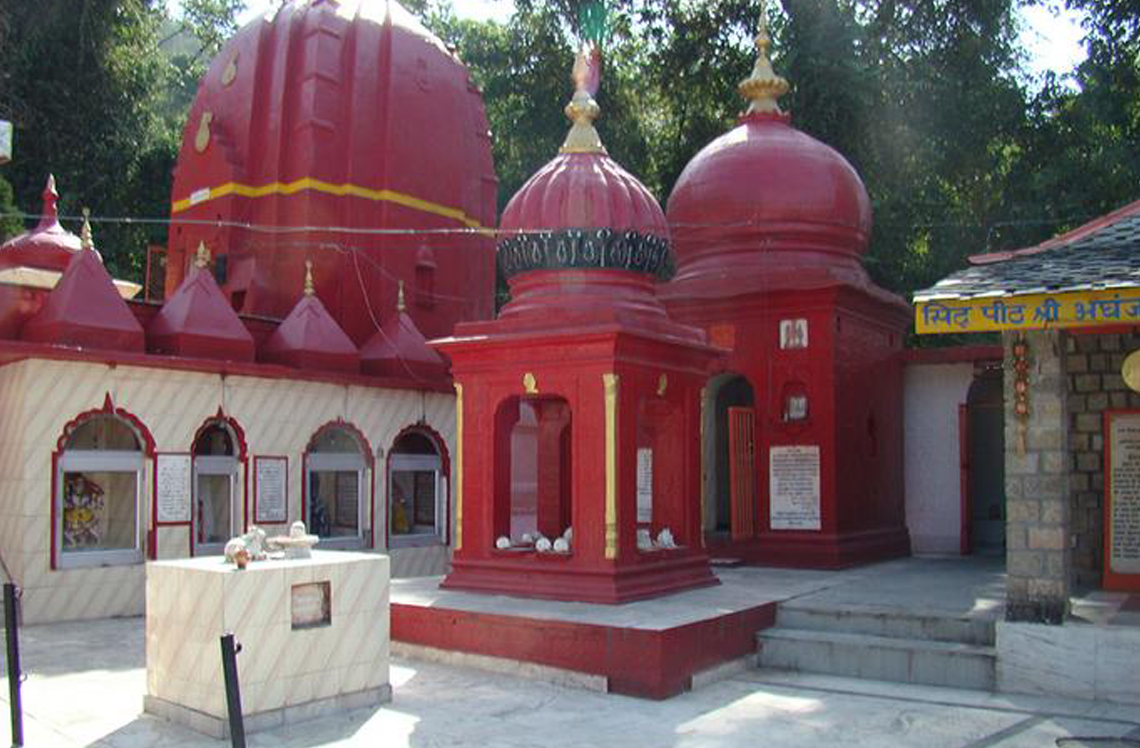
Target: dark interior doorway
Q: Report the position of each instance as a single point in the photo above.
(727, 391)
(985, 479)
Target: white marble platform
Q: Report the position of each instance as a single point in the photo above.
(287, 674)
(1077, 660)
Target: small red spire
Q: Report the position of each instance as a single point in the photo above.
(49, 218)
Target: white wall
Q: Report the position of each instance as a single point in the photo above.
(38, 397)
(932, 394)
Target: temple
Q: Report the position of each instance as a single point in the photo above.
(768, 225)
(667, 393)
(588, 390)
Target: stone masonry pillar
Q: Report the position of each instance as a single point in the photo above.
(1038, 563)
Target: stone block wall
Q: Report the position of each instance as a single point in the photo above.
(1037, 483)
(1095, 385)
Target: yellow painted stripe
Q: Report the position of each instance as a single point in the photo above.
(1041, 311)
(200, 197)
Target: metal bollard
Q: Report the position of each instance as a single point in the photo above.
(12, 634)
(230, 649)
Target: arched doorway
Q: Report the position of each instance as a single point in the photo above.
(985, 461)
(336, 495)
(217, 515)
(533, 467)
(417, 496)
(729, 457)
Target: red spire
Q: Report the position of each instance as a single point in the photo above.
(49, 219)
(309, 338)
(399, 349)
(86, 310)
(197, 320)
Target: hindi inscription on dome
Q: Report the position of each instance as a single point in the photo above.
(593, 248)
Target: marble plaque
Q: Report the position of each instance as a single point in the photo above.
(1124, 492)
(271, 490)
(172, 488)
(793, 481)
(644, 485)
(311, 605)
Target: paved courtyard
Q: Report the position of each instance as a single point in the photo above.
(86, 683)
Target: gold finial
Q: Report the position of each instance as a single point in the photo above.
(763, 87)
(310, 289)
(582, 111)
(85, 240)
(400, 305)
(202, 256)
(530, 385)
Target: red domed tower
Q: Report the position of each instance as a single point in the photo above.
(578, 408)
(803, 424)
(326, 131)
(49, 246)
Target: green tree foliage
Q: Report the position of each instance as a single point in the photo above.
(9, 226)
(960, 152)
(97, 100)
(84, 80)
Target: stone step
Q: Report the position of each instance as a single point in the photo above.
(885, 658)
(896, 624)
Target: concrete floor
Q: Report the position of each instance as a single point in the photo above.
(86, 682)
(962, 587)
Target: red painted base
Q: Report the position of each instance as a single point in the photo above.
(813, 550)
(648, 663)
(549, 577)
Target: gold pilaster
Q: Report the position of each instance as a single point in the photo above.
(458, 466)
(610, 382)
(704, 468)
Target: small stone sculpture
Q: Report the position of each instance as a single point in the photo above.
(298, 543)
(253, 543)
(503, 543)
(665, 539)
(644, 541)
(569, 534)
(561, 545)
(542, 545)
(527, 538)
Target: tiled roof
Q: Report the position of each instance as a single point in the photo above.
(1104, 253)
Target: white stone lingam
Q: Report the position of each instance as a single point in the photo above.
(297, 544)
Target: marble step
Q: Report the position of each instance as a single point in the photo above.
(886, 658)
(900, 625)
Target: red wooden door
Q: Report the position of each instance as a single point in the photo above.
(742, 471)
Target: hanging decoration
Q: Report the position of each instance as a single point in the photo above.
(1021, 391)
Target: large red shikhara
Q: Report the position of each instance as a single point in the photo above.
(330, 121)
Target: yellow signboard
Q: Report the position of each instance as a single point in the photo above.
(1029, 312)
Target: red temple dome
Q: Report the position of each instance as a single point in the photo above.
(49, 246)
(583, 239)
(767, 207)
(197, 320)
(332, 119)
(309, 338)
(582, 209)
